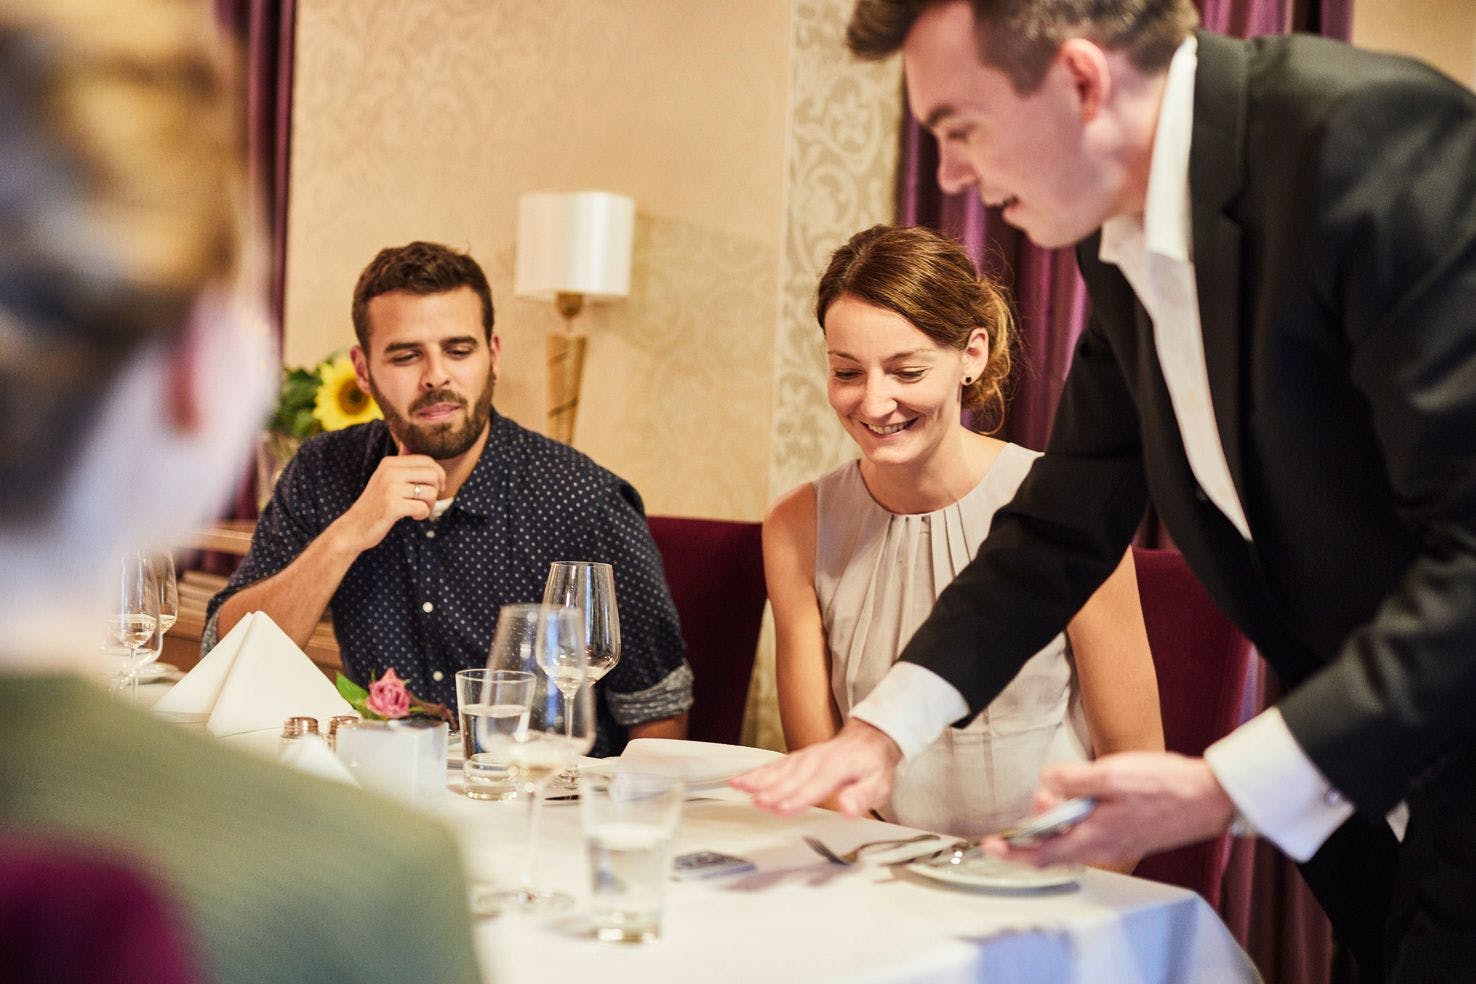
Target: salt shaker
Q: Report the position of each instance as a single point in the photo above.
(338, 722)
(295, 728)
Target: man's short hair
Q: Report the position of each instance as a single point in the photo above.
(1021, 37)
(121, 184)
(418, 268)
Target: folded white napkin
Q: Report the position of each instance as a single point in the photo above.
(253, 680)
(698, 762)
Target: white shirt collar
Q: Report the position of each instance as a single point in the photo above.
(1164, 226)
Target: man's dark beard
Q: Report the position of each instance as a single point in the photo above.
(440, 441)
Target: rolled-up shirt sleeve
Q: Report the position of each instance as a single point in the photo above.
(652, 679)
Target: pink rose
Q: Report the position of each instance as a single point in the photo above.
(388, 696)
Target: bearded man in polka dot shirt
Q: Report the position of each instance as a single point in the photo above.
(414, 531)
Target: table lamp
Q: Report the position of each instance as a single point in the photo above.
(571, 246)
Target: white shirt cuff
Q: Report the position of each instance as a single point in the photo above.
(912, 705)
(1276, 787)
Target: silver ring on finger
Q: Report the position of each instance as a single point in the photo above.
(415, 491)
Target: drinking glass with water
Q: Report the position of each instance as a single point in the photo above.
(492, 704)
(630, 821)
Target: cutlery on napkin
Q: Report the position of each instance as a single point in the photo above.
(253, 680)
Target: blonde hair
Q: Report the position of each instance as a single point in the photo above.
(929, 280)
(121, 196)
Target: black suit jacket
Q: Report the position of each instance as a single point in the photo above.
(1334, 233)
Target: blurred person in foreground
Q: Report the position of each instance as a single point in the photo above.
(416, 529)
(129, 391)
(855, 559)
(1279, 240)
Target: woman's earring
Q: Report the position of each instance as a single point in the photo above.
(968, 380)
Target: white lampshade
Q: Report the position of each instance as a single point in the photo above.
(575, 242)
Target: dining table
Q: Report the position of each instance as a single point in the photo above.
(797, 917)
(889, 918)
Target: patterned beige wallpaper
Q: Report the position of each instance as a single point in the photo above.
(843, 122)
(749, 141)
(427, 118)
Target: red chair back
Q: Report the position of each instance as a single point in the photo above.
(715, 570)
(1202, 660)
(70, 917)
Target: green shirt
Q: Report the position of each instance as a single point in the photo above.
(281, 877)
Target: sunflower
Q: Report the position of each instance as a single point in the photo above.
(340, 403)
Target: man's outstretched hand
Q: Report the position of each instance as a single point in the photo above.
(1146, 802)
(854, 770)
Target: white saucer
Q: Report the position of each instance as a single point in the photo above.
(998, 876)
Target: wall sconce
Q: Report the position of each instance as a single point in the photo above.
(571, 246)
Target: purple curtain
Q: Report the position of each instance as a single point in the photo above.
(1265, 902)
(265, 30)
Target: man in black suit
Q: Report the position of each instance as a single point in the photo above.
(1279, 238)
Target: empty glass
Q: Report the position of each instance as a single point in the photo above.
(588, 587)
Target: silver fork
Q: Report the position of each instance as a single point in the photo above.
(854, 854)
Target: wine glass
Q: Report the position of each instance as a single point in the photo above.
(168, 590)
(560, 728)
(589, 588)
(132, 620)
(168, 594)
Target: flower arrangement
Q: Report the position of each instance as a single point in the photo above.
(388, 699)
(324, 398)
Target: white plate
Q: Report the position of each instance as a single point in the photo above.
(609, 766)
(703, 764)
(997, 875)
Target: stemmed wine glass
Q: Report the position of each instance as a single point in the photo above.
(168, 590)
(132, 620)
(163, 564)
(589, 588)
(560, 727)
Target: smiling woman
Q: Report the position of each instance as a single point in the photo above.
(855, 560)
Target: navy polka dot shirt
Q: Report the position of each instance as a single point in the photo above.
(425, 600)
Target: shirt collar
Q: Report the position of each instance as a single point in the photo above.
(1164, 226)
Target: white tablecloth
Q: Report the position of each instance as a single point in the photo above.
(799, 918)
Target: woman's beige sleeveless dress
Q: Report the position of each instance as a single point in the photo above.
(877, 575)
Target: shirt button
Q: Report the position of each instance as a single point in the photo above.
(438, 676)
(427, 608)
(430, 534)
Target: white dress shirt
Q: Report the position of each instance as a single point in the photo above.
(1271, 781)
